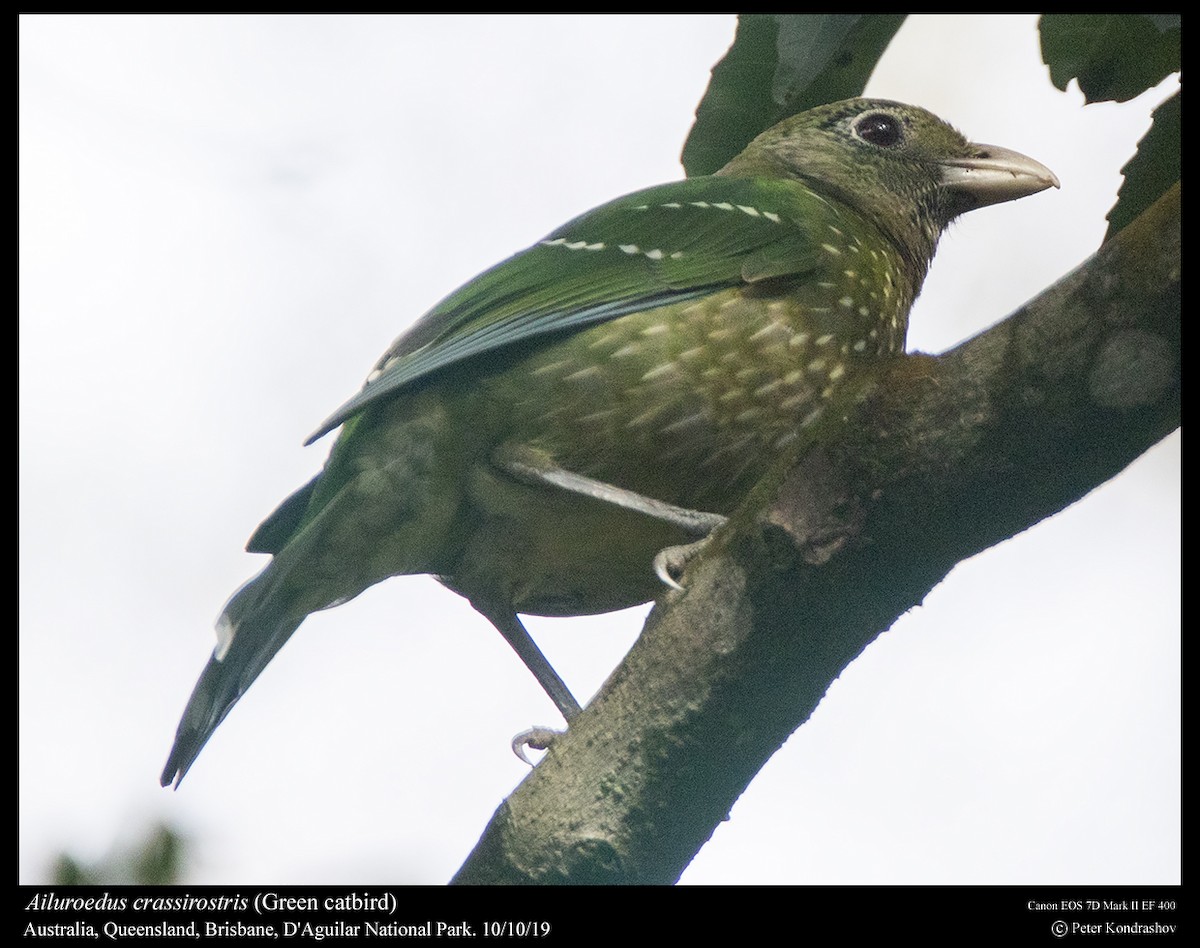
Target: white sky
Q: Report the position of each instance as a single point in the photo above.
(224, 221)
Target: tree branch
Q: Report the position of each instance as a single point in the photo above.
(938, 459)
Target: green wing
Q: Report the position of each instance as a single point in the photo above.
(663, 245)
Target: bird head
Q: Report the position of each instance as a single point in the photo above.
(898, 164)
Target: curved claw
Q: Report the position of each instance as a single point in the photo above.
(662, 568)
(536, 738)
(673, 560)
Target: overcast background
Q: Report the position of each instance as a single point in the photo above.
(225, 220)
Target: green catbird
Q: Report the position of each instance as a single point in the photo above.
(554, 437)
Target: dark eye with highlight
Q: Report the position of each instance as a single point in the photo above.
(879, 128)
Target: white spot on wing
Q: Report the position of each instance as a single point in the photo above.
(573, 245)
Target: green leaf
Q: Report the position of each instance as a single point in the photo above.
(779, 65)
(1113, 56)
(158, 859)
(1153, 170)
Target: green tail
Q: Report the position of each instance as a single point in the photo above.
(250, 631)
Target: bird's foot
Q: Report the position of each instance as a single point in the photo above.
(670, 563)
(536, 738)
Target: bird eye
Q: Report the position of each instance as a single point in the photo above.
(880, 129)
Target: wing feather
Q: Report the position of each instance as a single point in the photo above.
(664, 245)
